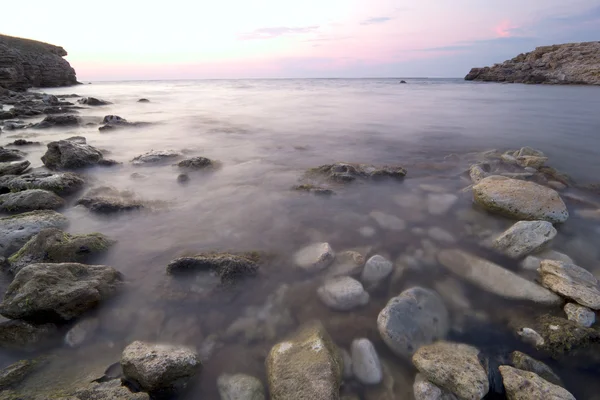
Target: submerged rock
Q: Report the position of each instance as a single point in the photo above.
(52, 121)
(17, 372)
(523, 385)
(110, 390)
(534, 261)
(196, 163)
(159, 369)
(61, 183)
(524, 238)
(520, 199)
(306, 366)
(156, 157)
(317, 190)
(92, 101)
(71, 154)
(425, 390)
(580, 314)
(572, 282)
(315, 257)
(14, 167)
(375, 270)
(439, 204)
(7, 155)
(454, 367)
(343, 294)
(387, 221)
(495, 279)
(23, 336)
(106, 200)
(347, 263)
(58, 292)
(366, 366)
(415, 318)
(348, 172)
(240, 387)
(82, 332)
(228, 267)
(524, 362)
(55, 246)
(15, 231)
(30, 200)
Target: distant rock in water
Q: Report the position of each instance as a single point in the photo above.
(27, 63)
(570, 63)
(92, 101)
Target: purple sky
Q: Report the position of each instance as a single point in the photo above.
(116, 40)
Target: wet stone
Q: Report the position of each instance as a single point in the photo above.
(439, 204)
(524, 362)
(572, 282)
(425, 390)
(375, 270)
(387, 221)
(314, 257)
(240, 387)
(579, 314)
(366, 366)
(524, 385)
(343, 294)
(524, 238)
(23, 336)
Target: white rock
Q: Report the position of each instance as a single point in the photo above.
(524, 238)
(580, 314)
(387, 221)
(343, 294)
(365, 362)
(315, 257)
(81, 332)
(441, 235)
(438, 204)
(376, 269)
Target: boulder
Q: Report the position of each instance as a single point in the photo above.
(454, 367)
(14, 167)
(196, 163)
(519, 199)
(366, 366)
(159, 369)
(92, 101)
(7, 155)
(69, 154)
(52, 121)
(61, 183)
(155, 157)
(50, 100)
(58, 292)
(493, 278)
(306, 366)
(107, 200)
(240, 387)
(30, 200)
(15, 231)
(227, 266)
(23, 336)
(348, 172)
(55, 246)
(580, 314)
(572, 282)
(524, 385)
(524, 238)
(415, 318)
(113, 120)
(343, 294)
(375, 270)
(524, 362)
(315, 257)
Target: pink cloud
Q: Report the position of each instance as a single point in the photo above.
(504, 28)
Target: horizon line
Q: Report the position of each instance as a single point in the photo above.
(231, 79)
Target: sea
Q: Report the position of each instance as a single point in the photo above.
(265, 134)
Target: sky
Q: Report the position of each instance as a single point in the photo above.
(213, 39)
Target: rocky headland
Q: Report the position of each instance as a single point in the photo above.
(28, 63)
(569, 63)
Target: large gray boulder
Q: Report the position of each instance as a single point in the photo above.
(30, 200)
(524, 385)
(58, 292)
(61, 183)
(52, 245)
(14, 167)
(493, 278)
(572, 282)
(15, 231)
(240, 387)
(159, 369)
(415, 318)
(524, 238)
(306, 366)
(454, 367)
(69, 154)
(519, 199)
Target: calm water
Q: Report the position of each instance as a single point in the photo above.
(266, 133)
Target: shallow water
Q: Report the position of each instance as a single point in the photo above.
(266, 133)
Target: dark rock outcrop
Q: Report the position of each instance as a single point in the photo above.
(27, 63)
(570, 63)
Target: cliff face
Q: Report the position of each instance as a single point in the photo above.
(27, 63)
(571, 63)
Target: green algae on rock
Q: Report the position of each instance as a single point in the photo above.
(228, 266)
(348, 172)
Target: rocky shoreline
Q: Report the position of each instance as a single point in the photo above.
(563, 64)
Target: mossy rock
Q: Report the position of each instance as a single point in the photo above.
(228, 266)
(316, 190)
(55, 246)
(349, 172)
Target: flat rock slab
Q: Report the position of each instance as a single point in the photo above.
(520, 199)
(58, 292)
(494, 278)
(348, 172)
(572, 282)
(227, 266)
(15, 231)
(156, 157)
(454, 367)
(524, 385)
(524, 238)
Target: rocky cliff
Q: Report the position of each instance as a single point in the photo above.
(27, 63)
(571, 63)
